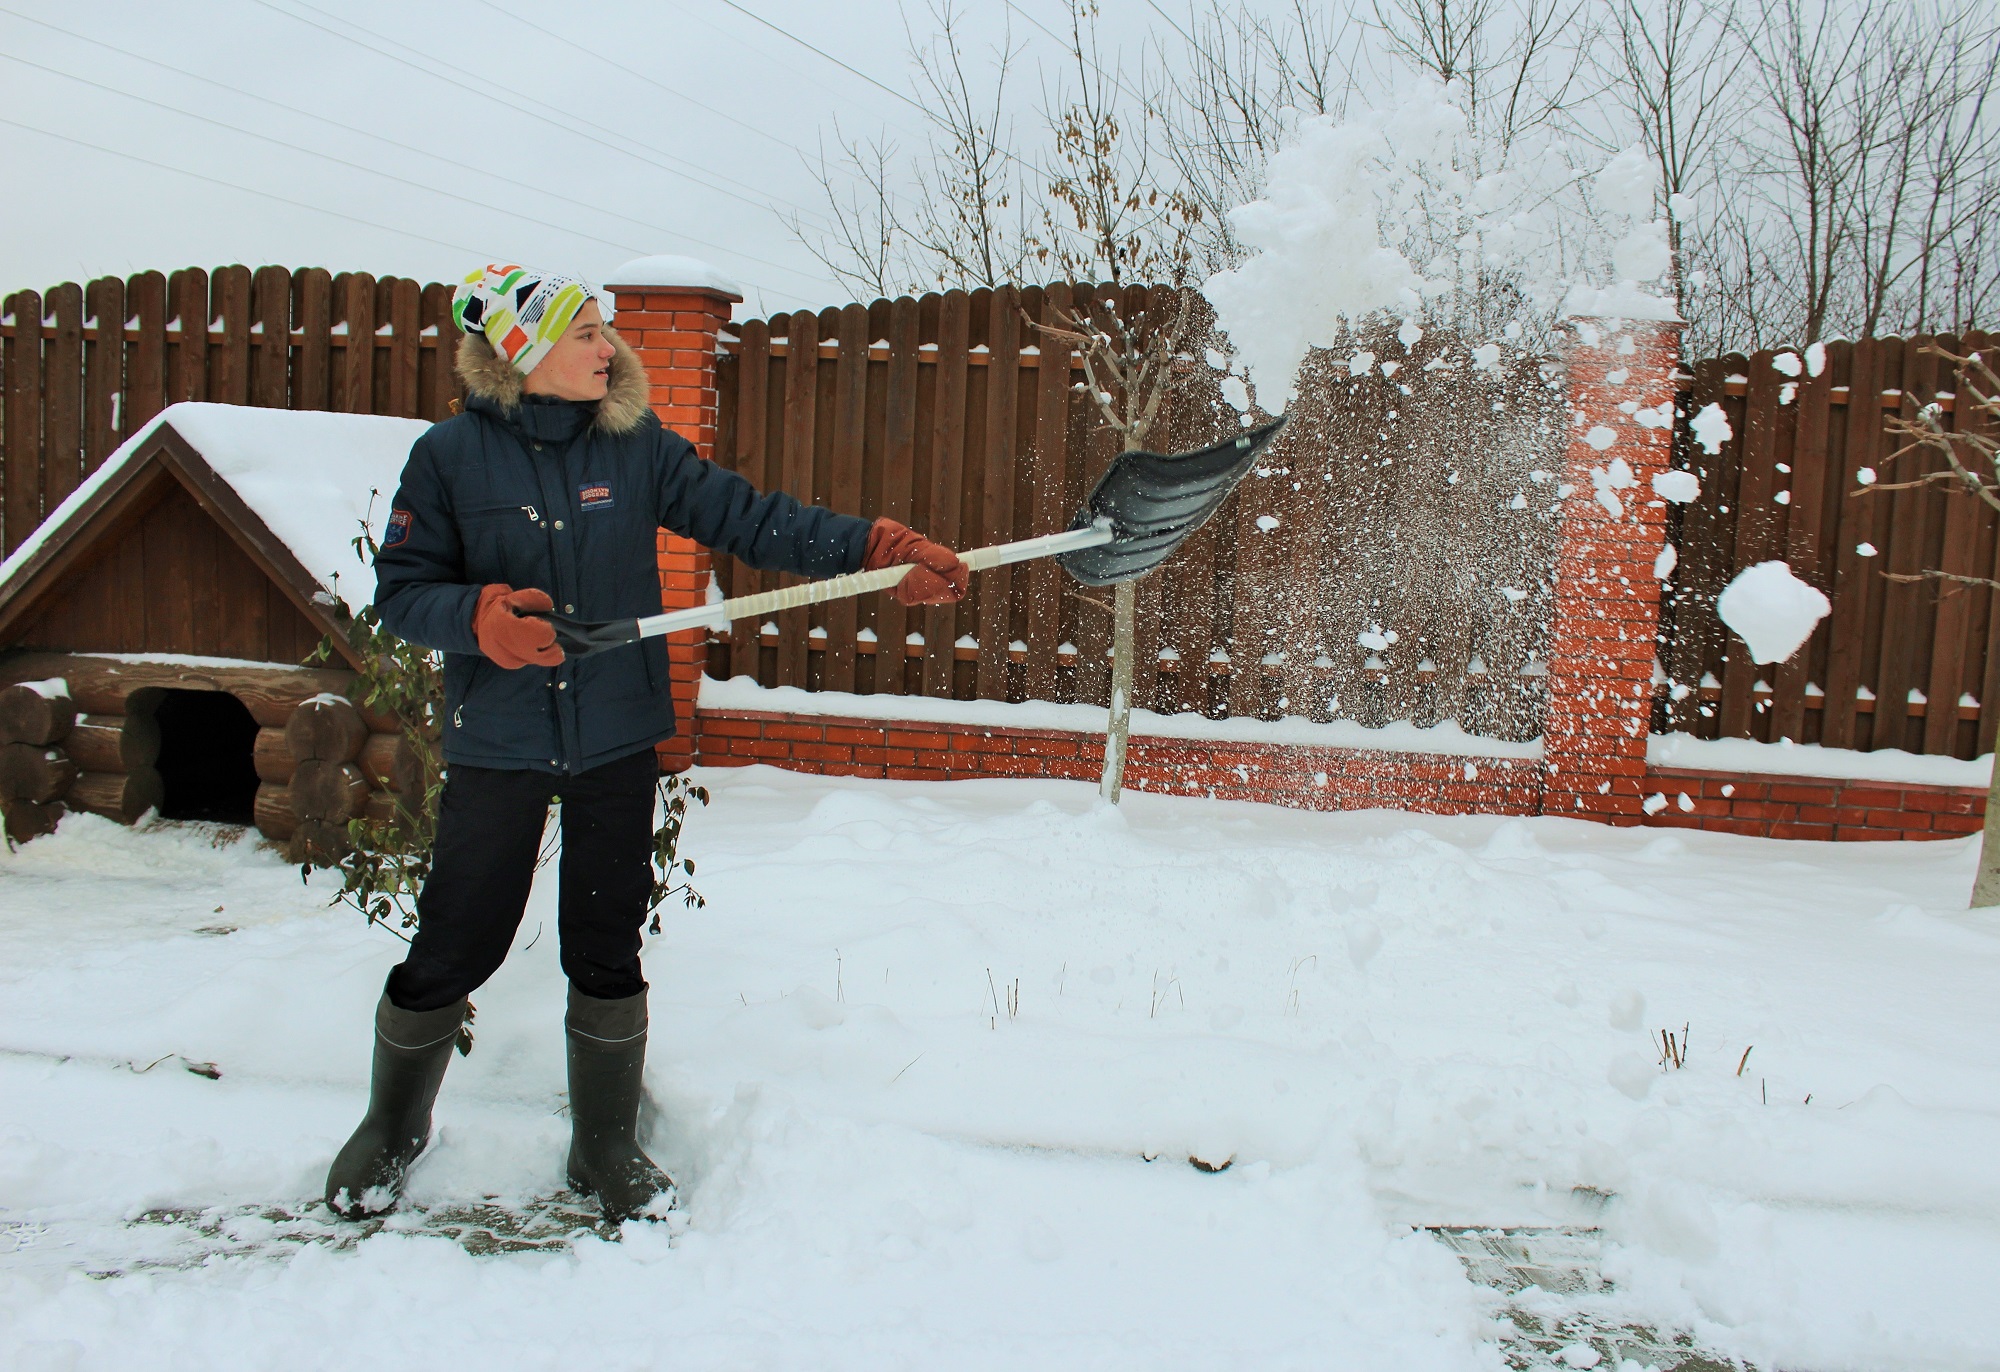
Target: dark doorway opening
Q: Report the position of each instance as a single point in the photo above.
(207, 761)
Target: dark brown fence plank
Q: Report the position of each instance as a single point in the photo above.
(899, 457)
(437, 386)
(146, 365)
(1855, 573)
(1903, 604)
(995, 586)
(1805, 455)
(354, 361)
(850, 417)
(947, 475)
(750, 379)
(312, 368)
(1759, 534)
(62, 407)
(271, 341)
(187, 346)
(406, 355)
(801, 414)
(229, 362)
(1048, 472)
(104, 370)
(22, 508)
(1952, 670)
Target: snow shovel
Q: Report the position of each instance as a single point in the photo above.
(1146, 506)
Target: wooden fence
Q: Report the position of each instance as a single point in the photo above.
(1895, 665)
(1391, 561)
(82, 368)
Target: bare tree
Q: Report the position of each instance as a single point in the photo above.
(1970, 451)
(861, 244)
(1520, 64)
(1672, 71)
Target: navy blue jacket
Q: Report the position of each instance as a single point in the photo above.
(544, 494)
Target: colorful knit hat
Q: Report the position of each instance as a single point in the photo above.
(521, 312)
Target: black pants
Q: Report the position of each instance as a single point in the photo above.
(489, 835)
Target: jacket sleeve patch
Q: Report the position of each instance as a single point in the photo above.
(398, 528)
(594, 495)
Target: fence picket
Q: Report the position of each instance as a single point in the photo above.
(271, 341)
(229, 362)
(62, 411)
(801, 406)
(103, 369)
(312, 369)
(22, 506)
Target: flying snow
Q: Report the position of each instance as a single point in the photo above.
(1771, 610)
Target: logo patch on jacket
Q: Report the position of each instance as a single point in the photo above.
(594, 495)
(398, 528)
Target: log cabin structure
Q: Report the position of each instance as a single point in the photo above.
(156, 631)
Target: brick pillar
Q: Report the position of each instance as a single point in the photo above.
(676, 330)
(1602, 636)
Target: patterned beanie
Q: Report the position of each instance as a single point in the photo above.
(521, 312)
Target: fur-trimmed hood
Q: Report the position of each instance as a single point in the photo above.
(492, 377)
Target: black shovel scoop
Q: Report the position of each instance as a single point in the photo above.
(1146, 506)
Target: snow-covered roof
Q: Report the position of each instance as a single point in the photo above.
(670, 269)
(310, 475)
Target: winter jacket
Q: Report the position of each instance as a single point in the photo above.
(568, 498)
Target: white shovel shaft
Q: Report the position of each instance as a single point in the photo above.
(860, 583)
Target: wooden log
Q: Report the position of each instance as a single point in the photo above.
(113, 743)
(101, 685)
(273, 812)
(384, 807)
(38, 713)
(123, 796)
(326, 728)
(272, 754)
(24, 819)
(318, 843)
(38, 774)
(388, 761)
(332, 791)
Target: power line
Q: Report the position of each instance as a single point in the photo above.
(634, 71)
(852, 71)
(624, 148)
(304, 114)
(328, 157)
(247, 190)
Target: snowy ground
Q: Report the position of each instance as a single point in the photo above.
(1386, 1021)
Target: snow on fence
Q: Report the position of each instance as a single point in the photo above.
(73, 386)
(1895, 665)
(1392, 561)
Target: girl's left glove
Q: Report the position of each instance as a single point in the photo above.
(936, 576)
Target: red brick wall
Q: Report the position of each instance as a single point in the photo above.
(676, 332)
(1330, 778)
(1303, 778)
(1814, 807)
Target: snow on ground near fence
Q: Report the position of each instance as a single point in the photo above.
(1787, 759)
(307, 474)
(1387, 1020)
(1398, 736)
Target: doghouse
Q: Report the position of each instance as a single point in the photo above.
(154, 630)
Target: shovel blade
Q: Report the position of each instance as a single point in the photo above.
(1156, 501)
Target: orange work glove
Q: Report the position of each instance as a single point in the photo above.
(936, 576)
(508, 635)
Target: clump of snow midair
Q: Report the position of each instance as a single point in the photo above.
(1319, 256)
(1771, 610)
(1682, 488)
(1710, 428)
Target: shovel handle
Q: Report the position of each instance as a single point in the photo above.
(577, 637)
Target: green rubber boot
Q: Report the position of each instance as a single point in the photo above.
(412, 1049)
(607, 1063)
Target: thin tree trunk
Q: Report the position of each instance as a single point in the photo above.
(1986, 885)
(1119, 729)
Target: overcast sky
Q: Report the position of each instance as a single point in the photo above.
(423, 137)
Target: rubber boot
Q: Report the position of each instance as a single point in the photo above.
(412, 1049)
(607, 1064)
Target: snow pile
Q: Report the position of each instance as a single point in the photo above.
(1387, 1020)
(312, 476)
(1771, 610)
(1710, 428)
(1407, 210)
